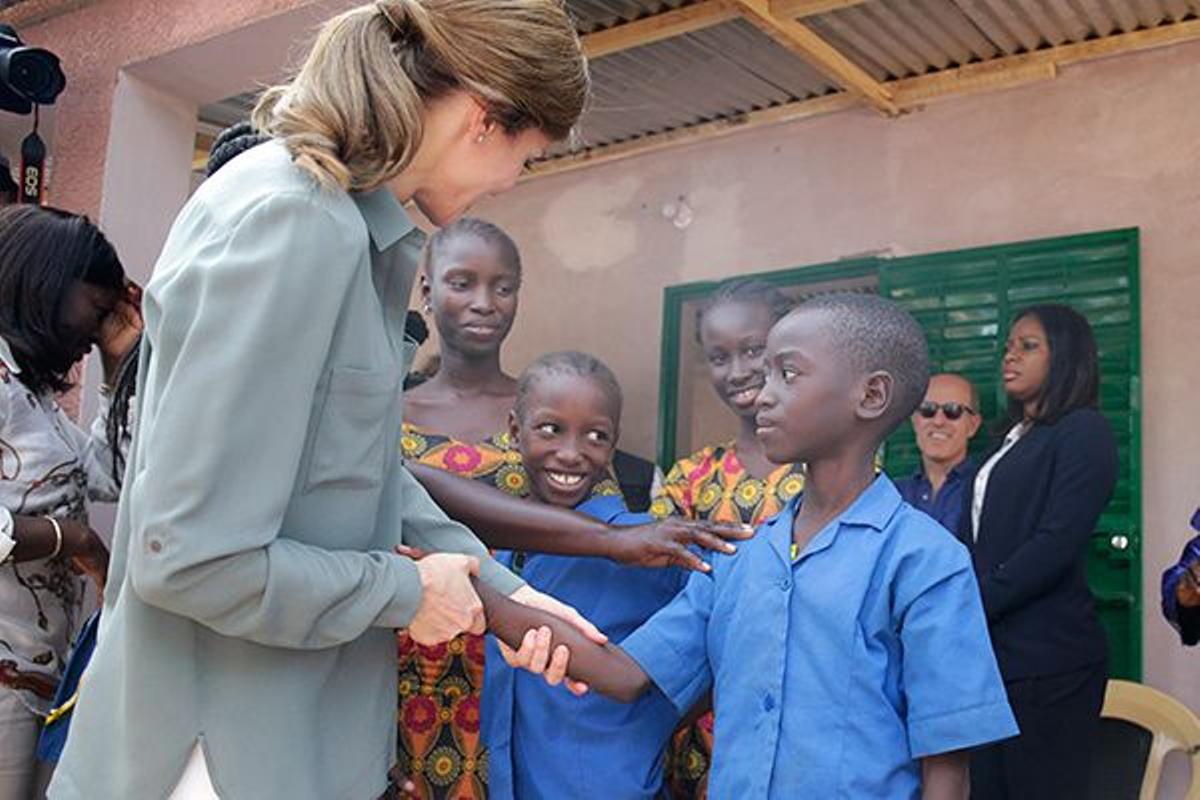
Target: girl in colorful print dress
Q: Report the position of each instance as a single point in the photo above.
(457, 421)
(731, 481)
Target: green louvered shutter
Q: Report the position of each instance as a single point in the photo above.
(965, 300)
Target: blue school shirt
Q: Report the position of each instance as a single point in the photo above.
(947, 505)
(833, 673)
(542, 741)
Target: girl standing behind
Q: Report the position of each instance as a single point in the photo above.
(457, 421)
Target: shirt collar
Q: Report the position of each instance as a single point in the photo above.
(871, 509)
(874, 508)
(604, 507)
(959, 470)
(6, 358)
(386, 219)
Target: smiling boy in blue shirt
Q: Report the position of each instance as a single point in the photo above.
(845, 645)
(543, 743)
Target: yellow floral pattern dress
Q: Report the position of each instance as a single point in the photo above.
(440, 687)
(713, 485)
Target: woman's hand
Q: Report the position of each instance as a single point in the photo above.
(449, 605)
(85, 550)
(665, 543)
(535, 655)
(120, 331)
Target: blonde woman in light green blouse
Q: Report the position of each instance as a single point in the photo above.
(247, 646)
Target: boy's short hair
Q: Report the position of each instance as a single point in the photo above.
(876, 334)
(569, 362)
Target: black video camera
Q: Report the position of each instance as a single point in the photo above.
(28, 75)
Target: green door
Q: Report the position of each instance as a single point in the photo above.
(965, 300)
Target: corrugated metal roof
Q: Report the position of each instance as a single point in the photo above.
(595, 15)
(733, 68)
(712, 74)
(904, 38)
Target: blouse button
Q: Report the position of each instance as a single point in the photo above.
(155, 546)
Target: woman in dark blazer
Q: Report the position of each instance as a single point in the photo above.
(1029, 516)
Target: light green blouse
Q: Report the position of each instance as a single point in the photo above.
(253, 591)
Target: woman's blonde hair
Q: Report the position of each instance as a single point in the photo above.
(352, 116)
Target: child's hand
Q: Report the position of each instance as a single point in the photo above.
(665, 543)
(1188, 591)
(400, 787)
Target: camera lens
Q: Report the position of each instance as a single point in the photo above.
(34, 73)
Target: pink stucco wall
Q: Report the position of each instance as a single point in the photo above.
(1109, 144)
(98, 40)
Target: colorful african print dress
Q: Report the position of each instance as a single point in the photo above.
(441, 686)
(713, 485)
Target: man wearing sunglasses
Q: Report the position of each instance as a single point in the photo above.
(944, 423)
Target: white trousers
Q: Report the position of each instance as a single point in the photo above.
(195, 783)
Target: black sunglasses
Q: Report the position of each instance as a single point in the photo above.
(953, 411)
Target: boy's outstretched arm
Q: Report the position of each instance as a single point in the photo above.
(945, 776)
(605, 668)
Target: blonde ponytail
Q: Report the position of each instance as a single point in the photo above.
(353, 115)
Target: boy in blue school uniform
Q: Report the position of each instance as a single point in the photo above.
(846, 644)
(542, 742)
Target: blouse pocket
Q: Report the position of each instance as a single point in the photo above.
(348, 447)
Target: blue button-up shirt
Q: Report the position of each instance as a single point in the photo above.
(946, 505)
(545, 743)
(832, 674)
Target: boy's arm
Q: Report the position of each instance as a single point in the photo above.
(955, 695)
(605, 668)
(945, 776)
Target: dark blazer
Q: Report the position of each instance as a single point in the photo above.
(1042, 504)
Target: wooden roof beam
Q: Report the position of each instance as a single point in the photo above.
(648, 30)
(801, 40)
(798, 9)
